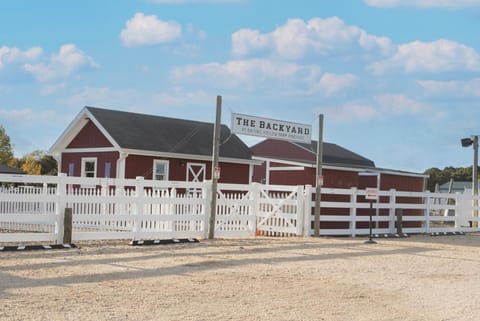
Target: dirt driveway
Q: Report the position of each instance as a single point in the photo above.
(416, 278)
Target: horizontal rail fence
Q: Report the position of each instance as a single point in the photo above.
(347, 212)
(32, 210)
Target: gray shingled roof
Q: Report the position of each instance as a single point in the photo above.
(337, 155)
(4, 169)
(167, 135)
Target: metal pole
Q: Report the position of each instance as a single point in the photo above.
(475, 179)
(318, 187)
(216, 148)
(370, 240)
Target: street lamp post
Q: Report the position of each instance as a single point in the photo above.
(466, 142)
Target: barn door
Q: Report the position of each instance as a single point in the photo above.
(196, 172)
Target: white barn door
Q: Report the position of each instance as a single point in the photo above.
(196, 172)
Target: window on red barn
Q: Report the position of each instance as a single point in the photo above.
(71, 169)
(108, 168)
(160, 170)
(89, 167)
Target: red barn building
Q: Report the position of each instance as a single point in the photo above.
(291, 163)
(116, 144)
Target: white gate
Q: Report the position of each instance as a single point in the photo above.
(280, 211)
(235, 215)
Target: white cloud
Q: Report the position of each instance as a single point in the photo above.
(437, 56)
(384, 105)
(104, 97)
(331, 84)
(50, 89)
(70, 59)
(26, 117)
(14, 55)
(247, 41)
(144, 30)
(351, 112)
(138, 101)
(265, 75)
(180, 97)
(423, 3)
(247, 74)
(198, 33)
(298, 39)
(33, 128)
(396, 104)
(453, 88)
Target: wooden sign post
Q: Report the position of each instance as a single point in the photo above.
(215, 168)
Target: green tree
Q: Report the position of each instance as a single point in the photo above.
(6, 151)
(31, 166)
(49, 165)
(438, 176)
(38, 163)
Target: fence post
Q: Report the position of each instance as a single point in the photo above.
(139, 200)
(67, 226)
(392, 211)
(307, 211)
(60, 206)
(45, 197)
(399, 215)
(353, 211)
(462, 211)
(254, 206)
(300, 211)
(427, 212)
(207, 188)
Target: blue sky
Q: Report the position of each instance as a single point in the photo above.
(398, 81)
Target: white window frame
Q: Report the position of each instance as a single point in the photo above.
(164, 163)
(88, 160)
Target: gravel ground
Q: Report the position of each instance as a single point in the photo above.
(415, 278)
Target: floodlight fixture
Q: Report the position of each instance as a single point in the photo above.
(466, 142)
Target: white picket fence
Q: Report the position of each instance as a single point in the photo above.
(32, 208)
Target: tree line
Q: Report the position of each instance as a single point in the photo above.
(442, 176)
(36, 163)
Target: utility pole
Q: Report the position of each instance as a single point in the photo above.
(466, 142)
(475, 179)
(318, 185)
(215, 156)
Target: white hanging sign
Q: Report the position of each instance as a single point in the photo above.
(371, 194)
(270, 128)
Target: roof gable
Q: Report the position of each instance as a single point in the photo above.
(168, 135)
(332, 154)
(89, 136)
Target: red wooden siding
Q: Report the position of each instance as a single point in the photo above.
(402, 183)
(89, 137)
(137, 165)
(332, 178)
(102, 158)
